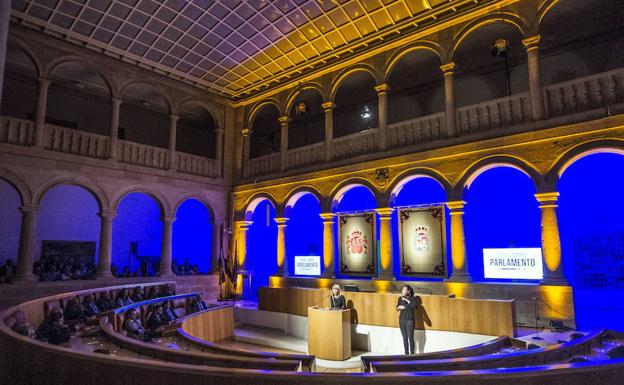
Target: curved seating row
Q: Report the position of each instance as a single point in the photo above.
(493, 346)
(27, 361)
(540, 356)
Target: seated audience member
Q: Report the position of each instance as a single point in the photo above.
(167, 291)
(197, 304)
(37, 271)
(51, 274)
(168, 314)
(90, 307)
(154, 292)
(132, 325)
(66, 273)
(124, 298)
(125, 273)
(74, 311)
(105, 303)
(7, 272)
(138, 295)
(53, 328)
(156, 318)
(115, 271)
(24, 329)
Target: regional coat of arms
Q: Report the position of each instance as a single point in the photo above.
(356, 242)
(422, 238)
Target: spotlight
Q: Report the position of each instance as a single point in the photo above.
(301, 109)
(366, 113)
(500, 48)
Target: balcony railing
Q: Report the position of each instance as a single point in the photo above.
(263, 165)
(304, 156)
(143, 155)
(355, 144)
(16, 131)
(496, 113)
(415, 131)
(197, 165)
(76, 142)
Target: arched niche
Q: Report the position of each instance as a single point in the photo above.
(19, 87)
(265, 131)
(192, 239)
(144, 115)
(355, 94)
(196, 130)
(307, 119)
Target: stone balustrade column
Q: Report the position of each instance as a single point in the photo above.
(283, 142)
(246, 133)
(114, 129)
(329, 247)
(40, 112)
(382, 108)
(166, 246)
(328, 108)
(219, 132)
(448, 71)
(106, 244)
(282, 256)
(458, 242)
(535, 82)
(551, 244)
(386, 250)
(173, 125)
(242, 237)
(28, 232)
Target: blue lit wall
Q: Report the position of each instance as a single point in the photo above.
(304, 233)
(262, 250)
(67, 213)
(420, 191)
(138, 220)
(10, 222)
(591, 212)
(192, 235)
(501, 212)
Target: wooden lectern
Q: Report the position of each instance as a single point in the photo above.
(329, 333)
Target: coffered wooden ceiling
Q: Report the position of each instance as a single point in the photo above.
(234, 48)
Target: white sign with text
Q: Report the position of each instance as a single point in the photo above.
(307, 265)
(517, 263)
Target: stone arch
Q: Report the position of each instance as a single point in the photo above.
(339, 190)
(255, 200)
(293, 95)
(544, 9)
(162, 91)
(165, 208)
(259, 106)
(22, 189)
(419, 45)
(404, 177)
(479, 167)
(54, 64)
(337, 81)
(579, 151)
(216, 116)
(504, 17)
(98, 193)
(38, 64)
(295, 194)
(193, 196)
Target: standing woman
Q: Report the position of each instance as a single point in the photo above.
(406, 305)
(337, 300)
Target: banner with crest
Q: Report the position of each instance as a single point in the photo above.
(358, 254)
(422, 234)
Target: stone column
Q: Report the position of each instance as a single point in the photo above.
(329, 246)
(40, 113)
(173, 128)
(114, 129)
(282, 256)
(27, 244)
(5, 16)
(449, 99)
(551, 244)
(382, 108)
(328, 108)
(166, 246)
(458, 243)
(283, 142)
(246, 133)
(386, 251)
(219, 132)
(242, 232)
(106, 244)
(535, 82)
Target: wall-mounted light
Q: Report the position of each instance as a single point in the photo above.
(366, 113)
(301, 109)
(500, 48)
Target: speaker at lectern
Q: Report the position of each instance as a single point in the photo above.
(329, 333)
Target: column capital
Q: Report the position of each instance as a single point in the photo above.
(328, 217)
(244, 224)
(547, 199)
(168, 219)
(532, 42)
(174, 117)
(283, 119)
(456, 207)
(328, 106)
(245, 132)
(382, 89)
(385, 212)
(107, 215)
(44, 81)
(448, 68)
(281, 221)
(29, 209)
(116, 101)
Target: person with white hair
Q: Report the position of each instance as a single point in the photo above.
(336, 299)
